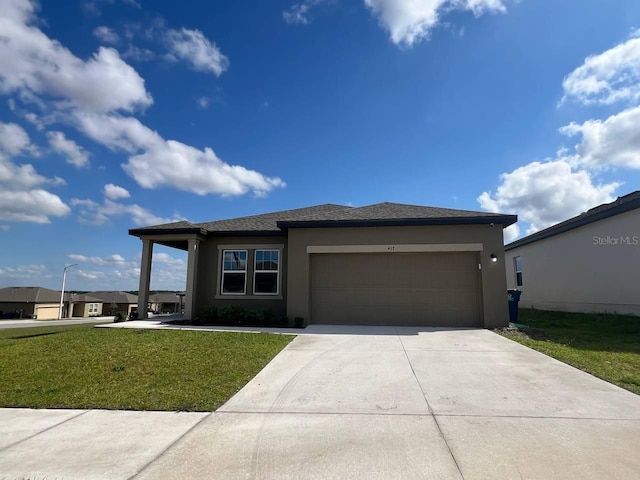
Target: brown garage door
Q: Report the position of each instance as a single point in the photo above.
(433, 289)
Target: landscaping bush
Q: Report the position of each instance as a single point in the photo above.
(232, 315)
(208, 315)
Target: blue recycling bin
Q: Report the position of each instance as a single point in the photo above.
(514, 299)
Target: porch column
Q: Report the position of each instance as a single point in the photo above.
(145, 278)
(192, 273)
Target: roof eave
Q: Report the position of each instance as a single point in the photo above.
(504, 220)
(138, 232)
(248, 233)
(558, 229)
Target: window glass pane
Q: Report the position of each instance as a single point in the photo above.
(235, 260)
(519, 279)
(518, 263)
(267, 259)
(233, 282)
(266, 283)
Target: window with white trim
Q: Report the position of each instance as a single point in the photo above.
(266, 272)
(234, 272)
(93, 308)
(517, 267)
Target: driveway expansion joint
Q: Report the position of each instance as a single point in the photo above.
(171, 445)
(44, 430)
(435, 419)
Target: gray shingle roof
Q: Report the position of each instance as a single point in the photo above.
(29, 294)
(393, 211)
(606, 210)
(337, 215)
(114, 297)
(267, 222)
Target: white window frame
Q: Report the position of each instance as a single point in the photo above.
(245, 271)
(256, 271)
(93, 308)
(518, 259)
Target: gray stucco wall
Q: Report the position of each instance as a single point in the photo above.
(494, 296)
(588, 269)
(208, 284)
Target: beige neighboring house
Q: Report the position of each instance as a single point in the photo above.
(114, 302)
(589, 263)
(383, 264)
(30, 302)
(166, 302)
(83, 305)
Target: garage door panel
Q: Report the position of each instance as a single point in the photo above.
(403, 289)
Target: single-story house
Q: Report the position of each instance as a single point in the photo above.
(166, 302)
(29, 302)
(83, 305)
(589, 263)
(114, 302)
(383, 264)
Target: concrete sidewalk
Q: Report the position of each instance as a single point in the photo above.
(358, 402)
(30, 323)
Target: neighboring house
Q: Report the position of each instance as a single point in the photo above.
(589, 263)
(383, 264)
(30, 302)
(166, 302)
(83, 305)
(115, 302)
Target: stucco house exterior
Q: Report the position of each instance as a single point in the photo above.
(383, 264)
(166, 302)
(589, 263)
(28, 302)
(82, 305)
(114, 302)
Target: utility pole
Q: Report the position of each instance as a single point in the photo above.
(64, 277)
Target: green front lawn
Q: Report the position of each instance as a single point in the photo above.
(607, 346)
(84, 367)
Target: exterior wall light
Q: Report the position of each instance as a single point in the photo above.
(494, 259)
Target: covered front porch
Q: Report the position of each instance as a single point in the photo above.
(188, 240)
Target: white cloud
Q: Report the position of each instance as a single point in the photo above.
(106, 34)
(92, 96)
(168, 163)
(138, 54)
(410, 21)
(167, 259)
(73, 152)
(13, 139)
(25, 272)
(32, 64)
(300, 12)
(193, 47)
(20, 199)
(115, 259)
(511, 233)
(115, 192)
(545, 193)
(35, 206)
(614, 142)
(94, 213)
(606, 78)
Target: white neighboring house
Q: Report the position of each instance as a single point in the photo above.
(589, 263)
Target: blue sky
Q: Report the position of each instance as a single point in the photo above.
(121, 113)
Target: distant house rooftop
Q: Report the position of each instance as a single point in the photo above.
(621, 205)
(29, 295)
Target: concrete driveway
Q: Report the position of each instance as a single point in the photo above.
(361, 402)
